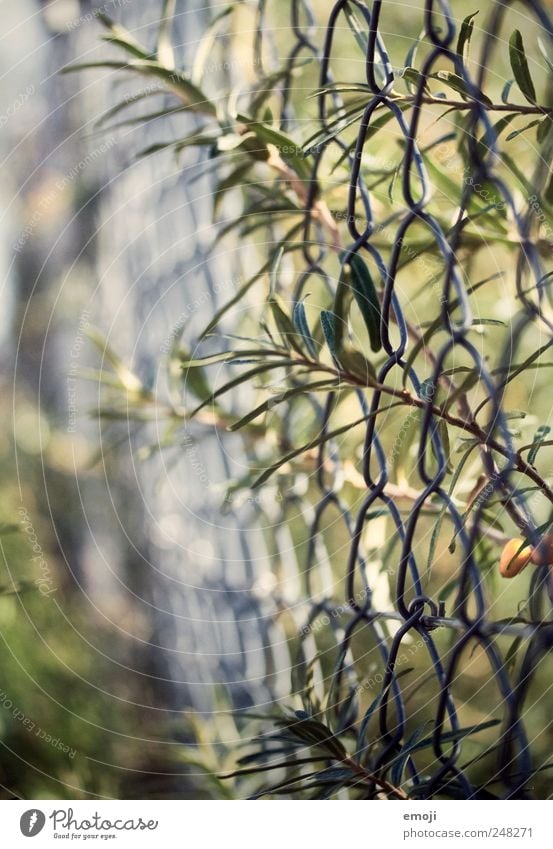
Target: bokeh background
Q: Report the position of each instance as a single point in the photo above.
(136, 614)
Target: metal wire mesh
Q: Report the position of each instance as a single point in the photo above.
(418, 614)
(367, 614)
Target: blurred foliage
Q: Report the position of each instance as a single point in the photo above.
(273, 350)
(69, 727)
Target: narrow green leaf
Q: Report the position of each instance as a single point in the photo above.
(231, 356)
(365, 295)
(539, 437)
(511, 656)
(265, 87)
(122, 37)
(355, 363)
(237, 381)
(544, 53)
(87, 66)
(436, 326)
(444, 437)
(411, 75)
(544, 129)
(328, 323)
(317, 386)
(195, 140)
(448, 737)
(529, 126)
(518, 173)
(278, 765)
(129, 380)
(506, 90)
(411, 57)
(224, 356)
(459, 85)
(493, 133)
(465, 34)
(448, 187)
(362, 745)
(313, 443)
(275, 267)
(124, 104)
(196, 381)
(204, 48)
(164, 51)
(396, 775)
(548, 194)
(300, 320)
(288, 149)
(358, 29)
(232, 180)
(179, 84)
(285, 326)
(320, 734)
(242, 291)
(519, 64)
(175, 81)
(346, 119)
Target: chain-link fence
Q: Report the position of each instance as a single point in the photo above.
(505, 468)
(432, 373)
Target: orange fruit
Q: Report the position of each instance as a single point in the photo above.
(514, 558)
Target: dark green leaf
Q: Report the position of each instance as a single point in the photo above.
(519, 64)
(362, 743)
(275, 267)
(544, 129)
(328, 323)
(396, 775)
(506, 91)
(511, 656)
(492, 134)
(465, 34)
(364, 292)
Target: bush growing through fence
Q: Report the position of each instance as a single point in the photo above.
(402, 331)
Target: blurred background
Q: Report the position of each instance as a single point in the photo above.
(135, 614)
(132, 605)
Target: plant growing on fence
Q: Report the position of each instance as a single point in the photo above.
(391, 217)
